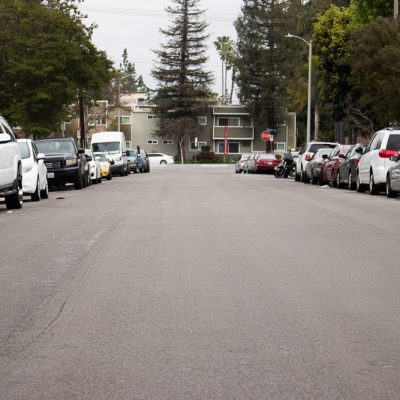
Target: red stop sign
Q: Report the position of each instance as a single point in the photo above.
(266, 136)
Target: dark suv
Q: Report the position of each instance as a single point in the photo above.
(64, 161)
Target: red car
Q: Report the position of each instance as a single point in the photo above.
(266, 163)
(330, 166)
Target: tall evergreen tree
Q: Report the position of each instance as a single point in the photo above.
(183, 83)
(264, 58)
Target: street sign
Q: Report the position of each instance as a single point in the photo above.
(271, 138)
(266, 136)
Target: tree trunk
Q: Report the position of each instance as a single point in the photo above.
(181, 150)
(82, 121)
(232, 85)
(223, 84)
(226, 82)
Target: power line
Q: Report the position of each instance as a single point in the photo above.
(151, 13)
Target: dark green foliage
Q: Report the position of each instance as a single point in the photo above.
(368, 10)
(374, 100)
(129, 81)
(183, 83)
(265, 58)
(47, 59)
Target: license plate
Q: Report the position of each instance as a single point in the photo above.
(270, 163)
(50, 175)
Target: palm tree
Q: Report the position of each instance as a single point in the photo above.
(224, 46)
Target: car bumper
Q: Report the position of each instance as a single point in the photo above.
(67, 175)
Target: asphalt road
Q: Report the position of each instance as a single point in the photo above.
(197, 283)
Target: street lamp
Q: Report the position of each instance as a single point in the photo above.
(309, 43)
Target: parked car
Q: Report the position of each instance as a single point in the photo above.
(132, 161)
(305, 155)
(374, 165)
(240, 163)
(113, 145)
(64, 161)
(393, 177)
(143, 162)
(330, 166)
(313, 168)
(94, 167)
(249, 164)
(159, 158)
(10, 167)
(34, 171)
(105, 165)
(348, 168)
(265, 163)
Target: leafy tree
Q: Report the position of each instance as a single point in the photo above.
(374, 59)
(127, 75)
(367, 10)
(331, 36)
(47, 60)
(265, 58)
(183, 83)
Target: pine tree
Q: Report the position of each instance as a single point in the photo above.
(183, 83)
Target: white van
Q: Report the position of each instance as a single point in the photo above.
(113, 145)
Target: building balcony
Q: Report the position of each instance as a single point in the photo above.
(234, 132)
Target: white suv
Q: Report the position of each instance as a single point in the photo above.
(10, 167)
(305, 156)
(374, 164)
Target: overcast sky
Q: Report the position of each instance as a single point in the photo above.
(135, 25)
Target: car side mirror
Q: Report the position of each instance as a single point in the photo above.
(40, 156)
(395, 158)
(81, 151)
(112, 162)
(342, 156)
(325, 156)
(128, 153)
(5, 137)
(88, 158)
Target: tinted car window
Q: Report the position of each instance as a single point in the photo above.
(56, 146)
(315, 146)
(393, 143)
(24, 149)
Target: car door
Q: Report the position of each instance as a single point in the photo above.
(370, 153)
(9, 156)
(330, 165)
(42, 169)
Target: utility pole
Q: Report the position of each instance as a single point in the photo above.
(82, 121)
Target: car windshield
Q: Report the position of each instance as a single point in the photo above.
(55, 146)
(393, 143)
(107, 147)
(132, 153)
(24, 148)
(316, 146)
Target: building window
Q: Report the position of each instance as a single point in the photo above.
(125, 119)
(167, 142)
(152, 117)
(152, 141)
(202, 120)
(233, 147)
(280, 146)
(228, 121)
(199, 145)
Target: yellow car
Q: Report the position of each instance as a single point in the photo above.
(105, 166)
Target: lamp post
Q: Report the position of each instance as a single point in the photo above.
(309, 43)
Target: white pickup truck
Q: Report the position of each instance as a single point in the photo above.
(10, 167)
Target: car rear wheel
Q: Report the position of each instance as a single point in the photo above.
(16, 200)
(36, 195)
(44, 194)
(163, 162)
(389, 191)
(373, 189)
(361, 188)
(79, 183)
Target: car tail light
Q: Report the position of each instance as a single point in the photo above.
(387, 153)
(308, 156)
